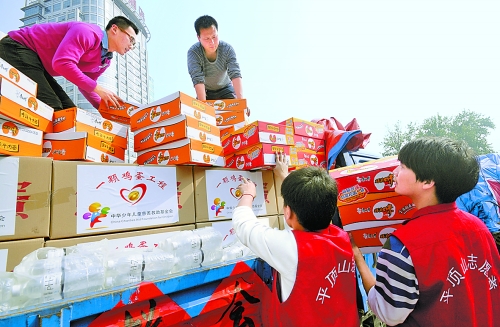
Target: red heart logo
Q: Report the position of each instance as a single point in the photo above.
(235, 193)
(135, 194)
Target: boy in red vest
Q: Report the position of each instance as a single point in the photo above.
(441, 268)
(314, 280)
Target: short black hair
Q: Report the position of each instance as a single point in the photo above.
(122, 22)
(451, 164)
(205, 22)
(311, 193)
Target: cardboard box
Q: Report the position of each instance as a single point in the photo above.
(258, 156)
(305, 158)
(173, 129)
(367, 181)
(19, 140)
(298, 126)
(15, 76)
(255, 133)
(230, 118)
(216, 194)
(183, 152)
(371, 240)
(79, 120)
(309, 143)
(93, 198)
(380, 212)
(226, 131)
(147, 238)
(25, 200)
(23, 107)
(81, 146)
(170, 106)
(119, 114)
(228, 104)
(12, 252)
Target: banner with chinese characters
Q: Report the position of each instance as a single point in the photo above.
(223, 194)
(117, 197)
(9, 170)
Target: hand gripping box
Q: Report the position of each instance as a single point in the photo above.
(171, 106)
(367, 181)
(19, 140)
(21, 106)
(120, 114)
(183, 152)
(254, 133)
(81, 146)
(15, 76)
(216, 193)
(94, 198)
(25, 201)
(79, 120)
(296, 126)
(257, 156)
(173, 129)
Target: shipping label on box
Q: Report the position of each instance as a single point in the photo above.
(81, 146)
(305, 128)
(217, 195)
(23, 107)
(15, 76)
(176, 128)
(364, 182)
(255, 133)
(258, 156)
(170, 106)
(182, 152)
(228, 104)
(120, 114)
(19, 140)
(379, 212)
(309, 143)
(371, 240)
(25, 200)
(229, 118)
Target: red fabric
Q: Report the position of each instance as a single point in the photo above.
(325, 266)
(457, 267)
(333, 128)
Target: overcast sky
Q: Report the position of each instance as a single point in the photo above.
(376, 61)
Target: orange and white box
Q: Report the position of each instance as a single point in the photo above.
(309, 143)
(20, 140)
(255, 133)
(23, 107)
(366, 181)
(119, 114)
(170, 106)
(226, 131)
(79, 120)
(81, 146)
(228, 104)
(258, 156)
(392, 210)
(371, 240)
(229, 118)
(302, 127)
(304, 158)
(183, 152)
(15, 76)
(173, 129)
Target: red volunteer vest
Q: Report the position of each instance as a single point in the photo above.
(457, 268)
(324, 293)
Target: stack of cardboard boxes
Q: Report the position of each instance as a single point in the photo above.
(368, 206)
(230, 114)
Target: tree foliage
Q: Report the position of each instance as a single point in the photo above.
(468, 125)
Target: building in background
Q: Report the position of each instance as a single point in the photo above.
(128, 75)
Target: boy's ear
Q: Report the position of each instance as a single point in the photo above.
(428, 184)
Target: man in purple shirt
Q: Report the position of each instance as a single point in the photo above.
(78, 51)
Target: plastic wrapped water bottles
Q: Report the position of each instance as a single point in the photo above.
(47, 265)
(211, 239)
(157, 263)
(188, 260)
(123, 267)
(83, 273)
(211, 257)
(8, 301)
(182, 243)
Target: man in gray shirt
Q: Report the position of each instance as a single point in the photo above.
(212, 64)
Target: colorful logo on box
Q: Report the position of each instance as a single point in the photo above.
(384, 179)
(107, 125)
(135, 194)
(154, 114)
(10, 128)
(250, 131)
(46, 148)
(96, 213)
(236, 143)
(219, 105)
(159, 135)
(309, 130)
(384, 234)
(240, 162)
(384, 209)
(218, 206)
(219, 120)
(163, 157)
(352, 194)
(32, 103)
(104, 158)
(14, 74)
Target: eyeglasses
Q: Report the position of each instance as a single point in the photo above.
(132, 39)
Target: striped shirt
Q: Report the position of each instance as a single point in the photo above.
(396, 292)
(217, 74)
